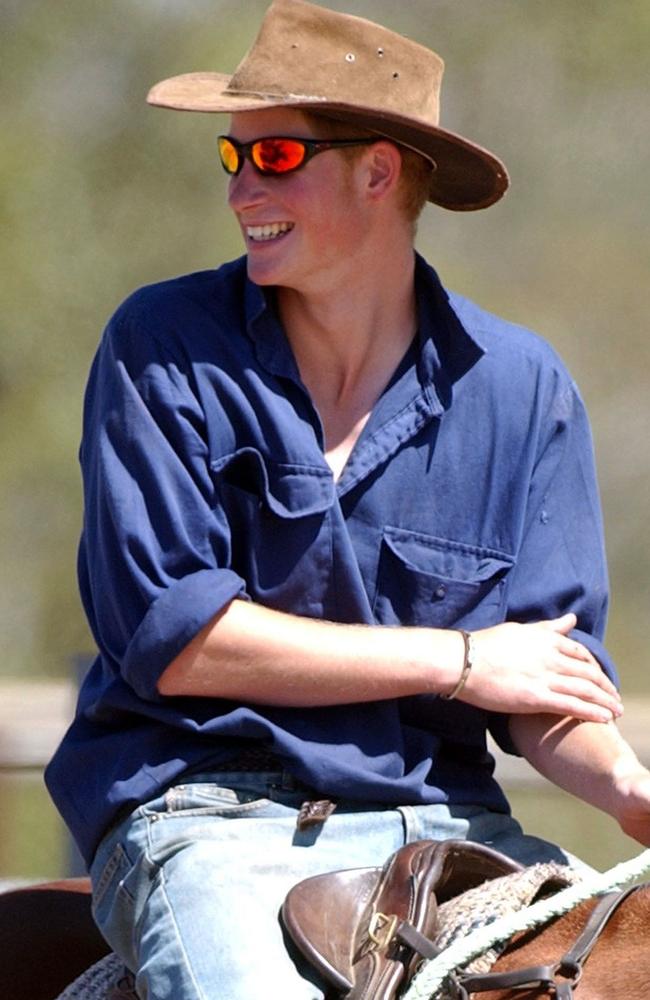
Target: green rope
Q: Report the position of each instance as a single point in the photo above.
(429, 980)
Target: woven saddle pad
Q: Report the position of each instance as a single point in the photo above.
(496, 898)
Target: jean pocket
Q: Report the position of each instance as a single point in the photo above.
(114, 905)
(111, 875)
(209, 798)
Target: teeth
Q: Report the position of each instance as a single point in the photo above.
(270, 231)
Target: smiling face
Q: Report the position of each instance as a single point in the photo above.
(301, 229)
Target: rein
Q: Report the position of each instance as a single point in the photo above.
(435, 974)
(569, 968)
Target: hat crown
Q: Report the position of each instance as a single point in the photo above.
(304, 51)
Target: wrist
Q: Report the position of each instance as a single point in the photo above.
(626, 772)
(466, 666)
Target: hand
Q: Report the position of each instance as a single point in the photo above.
(537, 668)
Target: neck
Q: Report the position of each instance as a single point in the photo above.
(367, 323)
(347, 346)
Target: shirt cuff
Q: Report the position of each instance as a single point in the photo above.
(172, 621)
(499, 729)
(596, 647)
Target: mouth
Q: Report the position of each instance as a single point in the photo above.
(268, 232)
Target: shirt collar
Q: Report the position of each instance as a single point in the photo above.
(447, 349)
(264, 328)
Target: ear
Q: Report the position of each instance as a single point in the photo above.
(383, 167)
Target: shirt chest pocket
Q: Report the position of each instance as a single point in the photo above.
(429, 581)
(278, 530)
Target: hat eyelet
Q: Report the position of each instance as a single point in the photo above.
(350, 57)
(380, 52)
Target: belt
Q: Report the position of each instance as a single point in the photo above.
(255, 758)
(262, 760)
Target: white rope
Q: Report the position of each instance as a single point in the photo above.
(427, 983)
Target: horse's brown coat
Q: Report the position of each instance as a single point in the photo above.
(619, 965)
(47, 938)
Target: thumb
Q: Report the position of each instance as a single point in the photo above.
(563, 624)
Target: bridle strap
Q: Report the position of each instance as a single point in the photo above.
(599, 916)
(569, 967)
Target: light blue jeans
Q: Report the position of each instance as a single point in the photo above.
(187, 890)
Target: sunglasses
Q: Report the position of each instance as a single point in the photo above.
(277, 155)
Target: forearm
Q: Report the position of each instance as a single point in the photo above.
(252, 653)
(590, 760)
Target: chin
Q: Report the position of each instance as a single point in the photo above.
(262, 273)
(259, 274)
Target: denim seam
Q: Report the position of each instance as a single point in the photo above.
(118, 857)
(181, 944)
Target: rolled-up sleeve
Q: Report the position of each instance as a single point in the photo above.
(561, 565)
(155, 551)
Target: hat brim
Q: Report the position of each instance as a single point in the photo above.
(467, 177)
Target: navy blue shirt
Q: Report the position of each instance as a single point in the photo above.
(469, 498)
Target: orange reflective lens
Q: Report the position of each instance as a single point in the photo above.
(229, 155)
(275, 155)
(278, 156)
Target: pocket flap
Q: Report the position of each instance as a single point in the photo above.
(288, 490)
(425, 580)
(444, 559)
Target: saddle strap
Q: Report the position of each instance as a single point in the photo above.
(417, 942)
(569, 966)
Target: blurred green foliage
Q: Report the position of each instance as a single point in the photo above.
(100, 194)
(33, 840)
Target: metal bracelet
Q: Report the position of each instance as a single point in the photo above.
(468, 662)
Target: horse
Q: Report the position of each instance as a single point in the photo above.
(48, 938)
(618, 965)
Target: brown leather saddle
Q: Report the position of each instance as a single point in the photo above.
(366, 930)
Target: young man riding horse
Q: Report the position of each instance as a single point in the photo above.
(340, 523)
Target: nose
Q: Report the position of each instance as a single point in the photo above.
(247, 189)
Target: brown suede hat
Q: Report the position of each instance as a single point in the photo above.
(308, 57)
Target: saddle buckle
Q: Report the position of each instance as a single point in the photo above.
(382, 929)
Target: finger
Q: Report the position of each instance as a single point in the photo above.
(576, 650)
(579, 655)
(588, 691)
(575, 663)
(572, 704)
(563, 624)
(585, 711)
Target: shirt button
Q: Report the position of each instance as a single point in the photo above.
(440, 592)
